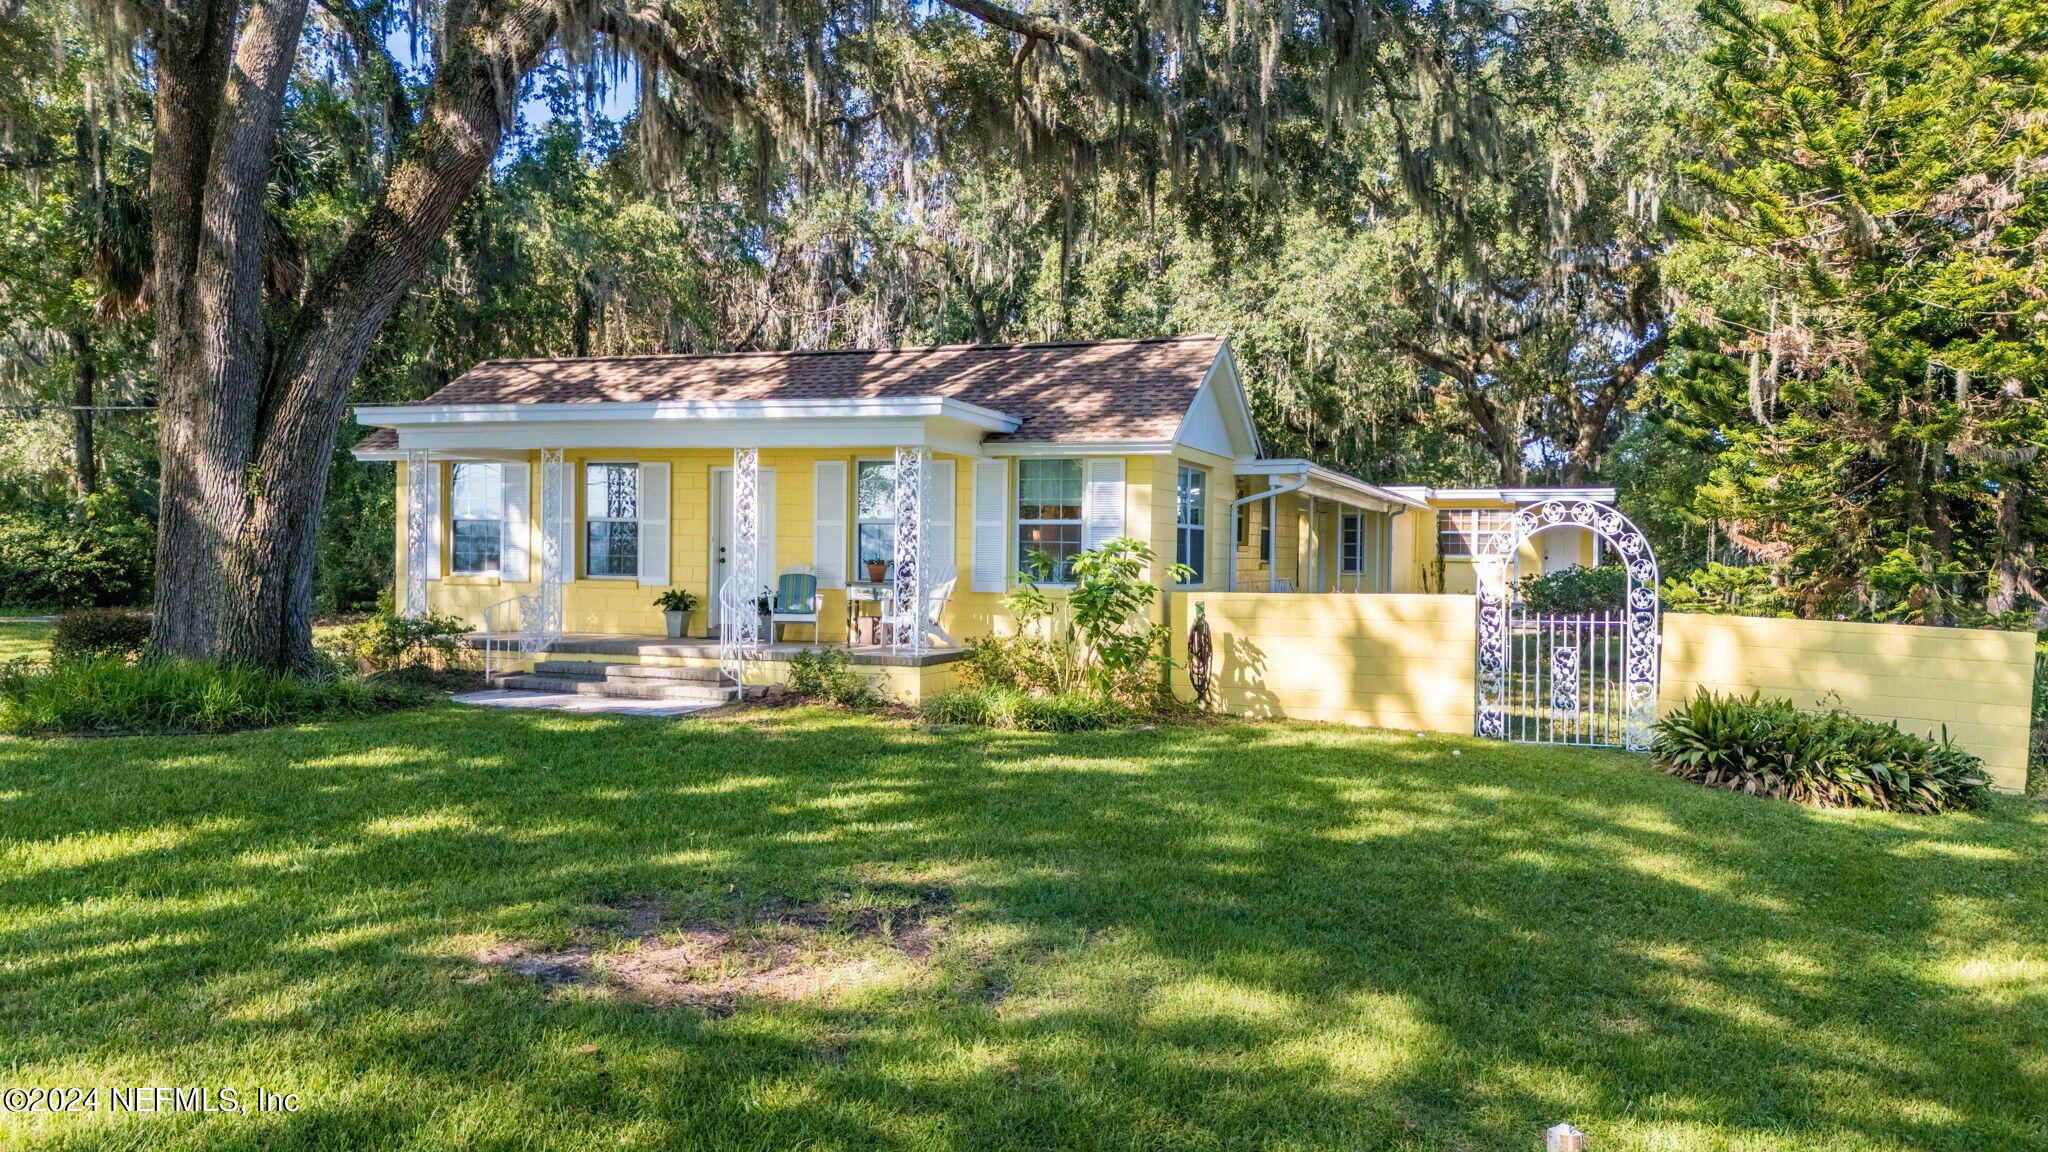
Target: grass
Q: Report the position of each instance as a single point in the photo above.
(24, 641)
(1260, 936)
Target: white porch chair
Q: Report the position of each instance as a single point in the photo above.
(935, 596)
(792, 604)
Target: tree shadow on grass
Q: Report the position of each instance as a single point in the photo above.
(1238, 936)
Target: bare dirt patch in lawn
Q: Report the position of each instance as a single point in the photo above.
(781, 951)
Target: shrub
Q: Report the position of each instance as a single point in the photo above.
(995, 706)
(50, 561)
(1100, 636)
(1032, 663)
(99, 634)
(829, 675)
(388, 641)
(1575, 590)
(1827, 758)
(174, 696)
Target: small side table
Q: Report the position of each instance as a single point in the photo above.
(866, 592)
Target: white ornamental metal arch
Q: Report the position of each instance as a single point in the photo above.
(1642, 644)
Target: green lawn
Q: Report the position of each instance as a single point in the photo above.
(19, 640)
(1270, 937)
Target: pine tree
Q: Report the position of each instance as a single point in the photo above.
(1872, 299)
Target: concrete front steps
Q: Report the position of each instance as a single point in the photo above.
(625, 681)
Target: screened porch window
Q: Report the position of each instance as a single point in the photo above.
(476, 518)
(1351, 545)
(611, 515)
(1191, 533)
(1049, 513)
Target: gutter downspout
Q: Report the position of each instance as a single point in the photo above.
(1237, 505)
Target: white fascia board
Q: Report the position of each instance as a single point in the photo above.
(1523, 495)
(1330, 484)
(668, 411)
(687, 434)
(374, 455)
(1079, 448)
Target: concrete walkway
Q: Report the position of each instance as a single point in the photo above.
(572, 702)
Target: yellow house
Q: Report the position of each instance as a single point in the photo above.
(549, 502)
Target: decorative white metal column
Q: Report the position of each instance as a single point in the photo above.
(557, 505)
(913, 490)
(419, 529)
(739, 619)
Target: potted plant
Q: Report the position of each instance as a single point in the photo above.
(676, 604)
(878, 571)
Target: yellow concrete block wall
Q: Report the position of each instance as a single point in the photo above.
(1391, 661)
(1977, 682)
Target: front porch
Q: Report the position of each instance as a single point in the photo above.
(666, 650)
(688, 673)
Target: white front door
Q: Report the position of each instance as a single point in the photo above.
(1560, 548)
(721, 534)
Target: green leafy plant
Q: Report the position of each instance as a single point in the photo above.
(828, 675)
(175, 696)
(677, 600)
(1099, 635)
(1829, 758)
(1575, 590)
(99, 634)
(389, 641)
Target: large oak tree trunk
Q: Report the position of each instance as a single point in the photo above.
(248, 428)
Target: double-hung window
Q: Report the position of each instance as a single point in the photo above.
(1461, 532)
(1049, 514)
(1191, 533)
(611, 519)
(1351, 545)
(874, 513)
(476, 518)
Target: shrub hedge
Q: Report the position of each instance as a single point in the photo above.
(829, 675)
(98, 634)
(1827, 758)
(53, 562)
(171, 696)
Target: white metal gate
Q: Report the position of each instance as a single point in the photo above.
(1579, 679)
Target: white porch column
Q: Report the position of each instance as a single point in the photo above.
(419, 529)
(913, 481)
(557, 546)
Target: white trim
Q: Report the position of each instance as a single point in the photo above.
(893, 407)
(1423, 493)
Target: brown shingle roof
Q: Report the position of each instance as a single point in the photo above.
(1103, 390)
